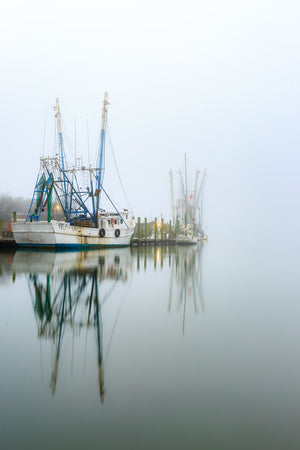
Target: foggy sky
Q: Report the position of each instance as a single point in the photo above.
(216, 80)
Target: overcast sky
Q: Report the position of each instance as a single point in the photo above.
(217, 80)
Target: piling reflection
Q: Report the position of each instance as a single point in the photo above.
(69, 290)
(185, 264)
(6, 261)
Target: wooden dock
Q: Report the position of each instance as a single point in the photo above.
(154, 242)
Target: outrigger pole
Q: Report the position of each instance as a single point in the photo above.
(100, 162)
(62, 155)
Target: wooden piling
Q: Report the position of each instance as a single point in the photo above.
(170, 230)
(155, 228)
(139, 228)
(153, 233)
(138, 259)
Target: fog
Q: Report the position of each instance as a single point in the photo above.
(216, 80)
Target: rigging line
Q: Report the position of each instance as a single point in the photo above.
(88, 142)
(110, 291)
(75, 141)
(54, 140)
(118, 173)
(68, 145)
(115, 324)
(32, 298)
(44, 133)
(114, 206)
(67, 140)
(96, 155)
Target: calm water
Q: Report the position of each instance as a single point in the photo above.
(166, 348)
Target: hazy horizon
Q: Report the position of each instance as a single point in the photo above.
(216, 81)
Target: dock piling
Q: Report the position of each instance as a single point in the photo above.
(139, 228)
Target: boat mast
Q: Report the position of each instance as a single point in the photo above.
(200, 199)
(172, 196)
(62, 155)
(195, 188)
(100, 165)
(186, 200)
(180, 208)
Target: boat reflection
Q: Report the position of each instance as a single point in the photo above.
(186, 279)
(185, 263)
(69, 289)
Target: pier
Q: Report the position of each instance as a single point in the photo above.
(6, 237)
(147, 233)
(147, 241)
(7, 243)
(153, 233)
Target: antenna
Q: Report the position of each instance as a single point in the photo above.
(75, 146)
(185, 221)
(88, 141)
(44, 134)
(91, 175)
(172, 196)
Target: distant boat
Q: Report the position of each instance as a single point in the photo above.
(84, 223)
(187, 211)
(186, 238)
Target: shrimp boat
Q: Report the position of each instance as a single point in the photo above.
(82, 221)
(187, 211)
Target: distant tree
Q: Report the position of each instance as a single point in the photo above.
(8, 204)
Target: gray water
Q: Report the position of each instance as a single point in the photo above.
(151, 348)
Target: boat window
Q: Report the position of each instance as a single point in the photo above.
(121, 220)
(108, 221)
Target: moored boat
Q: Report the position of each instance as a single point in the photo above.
(188, 210)
(186, 236)
(82, 222)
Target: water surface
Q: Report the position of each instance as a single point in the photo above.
(151, 348)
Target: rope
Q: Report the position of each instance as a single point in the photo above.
(116, 321)
(117, 170)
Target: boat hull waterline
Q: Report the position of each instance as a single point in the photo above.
(57, 234)
(186, 240)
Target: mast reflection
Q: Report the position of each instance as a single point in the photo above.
(185, 264)
(69, 290)
(186, 279)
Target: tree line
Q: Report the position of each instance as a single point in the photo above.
(8, 204)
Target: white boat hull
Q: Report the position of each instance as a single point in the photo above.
(186, 240)
(63, 235)
(201, 238)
